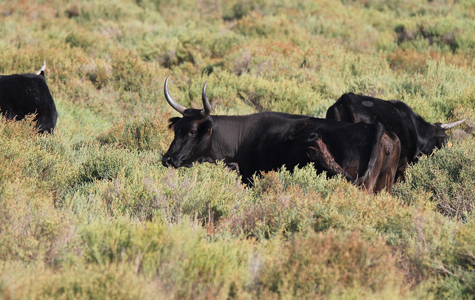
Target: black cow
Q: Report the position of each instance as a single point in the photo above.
(363, 153)
(416, 135)
(23, 94)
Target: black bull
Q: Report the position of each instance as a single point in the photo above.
(416, 135)
(23, 94)
(365, 154)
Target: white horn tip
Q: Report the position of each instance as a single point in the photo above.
(452, 125)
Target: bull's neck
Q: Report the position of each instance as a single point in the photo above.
(229, 134)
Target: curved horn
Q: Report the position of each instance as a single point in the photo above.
(178, 107)
(451, 125)
(42, 70)
(207, 107)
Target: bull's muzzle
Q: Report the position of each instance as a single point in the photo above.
(167, 161)
(175, 162)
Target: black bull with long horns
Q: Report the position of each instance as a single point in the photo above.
(416, 135)
(365, 154)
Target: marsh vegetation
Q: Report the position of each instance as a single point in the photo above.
(91, 213)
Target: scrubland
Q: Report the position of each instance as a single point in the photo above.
(91, 213)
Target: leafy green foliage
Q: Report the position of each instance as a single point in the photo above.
(448, 176)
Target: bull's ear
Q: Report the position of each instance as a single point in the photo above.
(296, 129)
(173, 122)
(208, 127)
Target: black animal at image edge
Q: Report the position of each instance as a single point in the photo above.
(23, 94)
(365, 154)
(416, 135)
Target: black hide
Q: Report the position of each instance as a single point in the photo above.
(25, 94)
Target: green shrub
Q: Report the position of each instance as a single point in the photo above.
(79, 282)
(32, 229)
(448, 176)
(180, 259)
(129, 73)
(90, 211)
(104, 164)
(205, 192)
(327, 265)
(139, 135)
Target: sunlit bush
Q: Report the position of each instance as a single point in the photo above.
(91, 212)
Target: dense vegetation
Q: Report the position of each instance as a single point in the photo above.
(91, 213)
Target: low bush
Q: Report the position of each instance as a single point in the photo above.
(91, 212)
(447, 176)
(331, 265)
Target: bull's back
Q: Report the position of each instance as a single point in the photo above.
(342, 110)
(394, 115)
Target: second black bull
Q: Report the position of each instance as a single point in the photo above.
(365, 154)
(416, 135)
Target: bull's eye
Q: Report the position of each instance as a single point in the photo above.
(192, 133)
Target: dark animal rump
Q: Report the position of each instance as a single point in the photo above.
(363, 153)
(395, 115)
(25, 94)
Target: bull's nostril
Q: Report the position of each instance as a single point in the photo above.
(166, 161)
